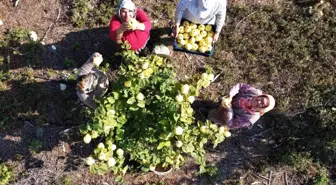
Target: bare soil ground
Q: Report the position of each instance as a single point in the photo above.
(60, 160)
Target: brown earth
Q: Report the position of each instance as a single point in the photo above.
(63, 151)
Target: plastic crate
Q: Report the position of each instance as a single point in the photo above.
(207, 54)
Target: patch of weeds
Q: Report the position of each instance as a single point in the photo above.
(166, 9)
(35, 145)
(3, 79)
(92, 13)
(321, 178)
(210, 173)
(69, 62)
(6, 174)
(76, 46)
(15, 37)
(66, 180)
(51, 73)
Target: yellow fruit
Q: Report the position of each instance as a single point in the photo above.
(187, 29)
(127, 83)
(186, 36)
(208, 47)
(210, 34)
(192, 40)
(194, 46)
(188, 46)
(202, 43)
(204, 33)
(181, 42)
(185, 23)
(198, 37)
(181, 29)
(201, 27)
(193, 33)
(193, 25)
(202, 49)
(208, 27)
(209, 40)
(133, 24)
(180, 36)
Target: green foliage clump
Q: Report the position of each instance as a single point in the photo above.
(321, 178)
(6, 174)
(15, 37)
(148, 118)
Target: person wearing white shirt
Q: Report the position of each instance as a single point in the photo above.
(201, 12)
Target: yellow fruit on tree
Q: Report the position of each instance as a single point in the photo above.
(186, 36)
(188, 46)
(181, 29)
(208, 27)
(185, 23)
(204, 33)
(202, 49)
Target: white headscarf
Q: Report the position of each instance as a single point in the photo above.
(127, 4)
(271, 103)
(206, 7)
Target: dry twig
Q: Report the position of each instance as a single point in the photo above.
(52, 24)
(286, 181)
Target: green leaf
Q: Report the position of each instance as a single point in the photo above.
(161, 145)
(141, 104)
(119, 179)
(115, 95)
(131, 100)
(110, 100)
(158, 97)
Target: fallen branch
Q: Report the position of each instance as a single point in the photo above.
(286, 181)
(52, 24)
(262, 177)
(185, 54)
(270, 178)
(245, 18)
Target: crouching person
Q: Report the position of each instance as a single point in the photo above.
(243, 107)
(92, 83)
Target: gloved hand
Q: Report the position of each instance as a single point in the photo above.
(97, 59)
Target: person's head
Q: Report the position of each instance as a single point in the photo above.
(263, 103)
(126, 10)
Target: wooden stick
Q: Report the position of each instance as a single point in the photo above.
(286, 181)
(270, 178)
(58, 16)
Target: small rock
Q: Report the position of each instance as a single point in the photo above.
(53, 47)
(63, 87)
(33, 36)
(43, 43)
(161, 49)
(1, 22)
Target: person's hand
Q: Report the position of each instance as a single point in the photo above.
(226, 102)
(132, 24)
(215, 37)
(175, 31)
(97, 59)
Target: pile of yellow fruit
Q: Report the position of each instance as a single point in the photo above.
(193, 37)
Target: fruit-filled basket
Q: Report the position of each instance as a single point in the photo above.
(195, 38)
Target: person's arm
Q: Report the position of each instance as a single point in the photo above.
(239, 121)
(220, 20)
(117, 29)
(180, 8)
(144, 24)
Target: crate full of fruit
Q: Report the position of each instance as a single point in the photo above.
(195, 38)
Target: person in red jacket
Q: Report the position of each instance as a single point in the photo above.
(130, 24)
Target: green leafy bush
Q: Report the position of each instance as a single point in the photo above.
(6, 174)
(148, 118)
